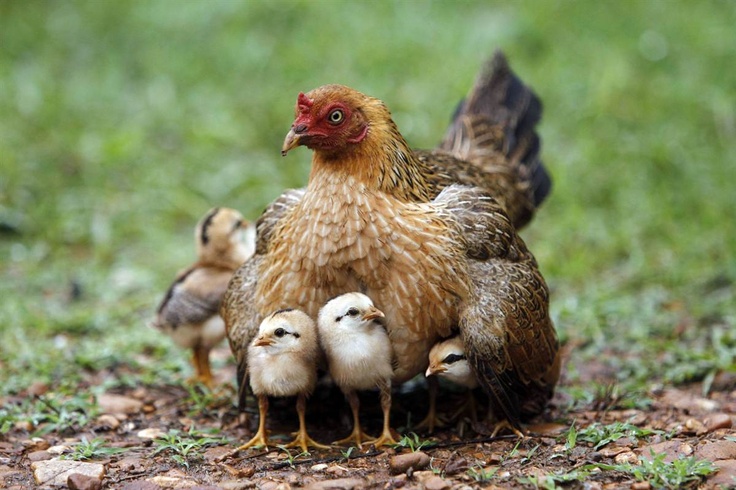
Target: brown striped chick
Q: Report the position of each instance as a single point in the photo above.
(359, 356)
(447, 360)
(282, 361)
(189, 312)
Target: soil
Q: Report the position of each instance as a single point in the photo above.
(685, 424)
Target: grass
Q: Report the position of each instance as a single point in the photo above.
(92, 449)
(123, 122)
(186, 447)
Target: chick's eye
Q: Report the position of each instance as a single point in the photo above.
(453, 358)
(280, 332)
(336, 116)
(353, 311)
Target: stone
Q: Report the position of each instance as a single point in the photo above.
(726, 475)
(107, 422)
(151, 433)
(40, 455)
(716, 450)
(78, 481)
(237, 485)
(112, 404)
(56, 472)
(718, 421)
(140, 485)
(339, 484)
(436, 483)
(402, 462)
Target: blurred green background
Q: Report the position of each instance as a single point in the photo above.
(122, 122)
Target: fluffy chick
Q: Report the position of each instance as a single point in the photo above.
(189, 312)
(447, 360)
(282, 361)
(359, 357)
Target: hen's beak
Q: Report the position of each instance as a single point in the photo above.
(432, 369)
(373, 313)
(293, 139)
(263, 342)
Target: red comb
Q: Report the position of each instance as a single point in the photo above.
(304, 103)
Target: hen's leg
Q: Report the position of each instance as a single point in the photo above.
(432, 420)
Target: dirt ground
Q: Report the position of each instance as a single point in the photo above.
(684, 423)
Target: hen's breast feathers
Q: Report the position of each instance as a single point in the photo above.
(406, 256)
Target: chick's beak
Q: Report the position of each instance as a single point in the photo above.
(434, 369)
(293, 138)
(263, 342)
(373, 313)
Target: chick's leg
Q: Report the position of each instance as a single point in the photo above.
(386, 437)
(432, 420)
(505, 424)
(201, 363)
(261, 437)
(302, 438)
(357, 435)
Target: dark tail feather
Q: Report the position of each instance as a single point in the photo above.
(501, 99)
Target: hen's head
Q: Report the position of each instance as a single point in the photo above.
(332, 118)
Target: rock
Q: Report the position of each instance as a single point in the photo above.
(60, 449)
(36, 444)
(237, 485)
(140, 485)
(718, 421)
(436, 483)
(39, 455)
(674, 449)
(77, 481)
(319, 467)
(726, 474)
(627, 457)
(402, 462)
(107, 422)
(151, 433)
(339, 484)
(641, 485)
(56, 472)
(172, 482)
(716, 450)
(112, 404)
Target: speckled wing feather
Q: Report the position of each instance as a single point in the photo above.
(238, 306)
(508, 335)
(493, 143)
(194, 297)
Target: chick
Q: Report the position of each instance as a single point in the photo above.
(359, 356)
(282, 361)
(189, 312)
(447, 360)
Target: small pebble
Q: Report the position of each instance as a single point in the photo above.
(718, 421)
(403, 462)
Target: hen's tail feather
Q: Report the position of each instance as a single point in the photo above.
(501, 99)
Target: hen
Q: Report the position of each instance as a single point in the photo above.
(188, 312)
(405, 228)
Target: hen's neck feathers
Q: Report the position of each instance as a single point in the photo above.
(382, 161)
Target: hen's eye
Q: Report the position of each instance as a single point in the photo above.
(280, 332)
(353, 311)
(336, 116)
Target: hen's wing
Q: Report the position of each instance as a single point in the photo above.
(508, 335)
(238, 306)
(194, 297)
(494, 143)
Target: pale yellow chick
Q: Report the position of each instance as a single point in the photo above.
(282, 361)
(359, 356)
(189, 312)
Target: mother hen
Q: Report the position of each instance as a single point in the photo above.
(429, 236)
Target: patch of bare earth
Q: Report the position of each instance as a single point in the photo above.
(685, 424)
